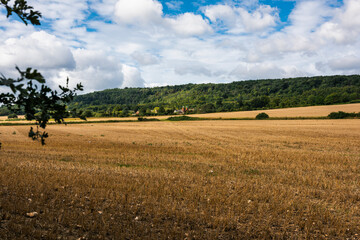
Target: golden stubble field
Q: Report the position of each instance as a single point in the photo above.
(285, 179)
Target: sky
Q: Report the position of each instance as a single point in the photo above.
(145, 43)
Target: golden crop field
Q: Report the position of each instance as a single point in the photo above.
(313, 111)
(274, 179)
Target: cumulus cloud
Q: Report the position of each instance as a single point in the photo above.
(38, 50)
(150, 12)
(189, 24)
(95, 69)
(132, 77)
(141, 12)
(262, 18)
(240, 20)
(344, 27)
(62, 15)
(308, 16)
(221, 13)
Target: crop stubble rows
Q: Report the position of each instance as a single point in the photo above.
(209, 179)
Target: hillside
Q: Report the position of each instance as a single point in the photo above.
(235, 96)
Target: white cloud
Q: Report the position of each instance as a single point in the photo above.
(259, 20)
(144, 58)
(97, 69)
(308, 16)
(12, 29)
(62, 15)
(258, 71)
(174, 5)
(350, 16)
(94, 69)
(282, 43)
(192, 68)
(299, 36)
(105, 8)
(132, 77)
(344, 27)
(38, 50)
(241, 20)
(345, 63)
(147, 13)
(189, 24)
(223, 13)
(141, 12)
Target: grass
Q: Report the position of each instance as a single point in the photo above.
(268, 179)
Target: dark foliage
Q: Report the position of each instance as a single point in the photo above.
(22, 10)
(342, 115)
(141, 119)
(262, 116)
(12, 116)
(182, 118)
(38, 101)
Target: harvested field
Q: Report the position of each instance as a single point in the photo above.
(288, 179)
(314, 111)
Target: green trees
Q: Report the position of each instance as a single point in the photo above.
(333, 98)
(161, 110)
(29, 92)
(236, 96)
(342, 115)
(261, 116)
(12, 116)
(259, 102)
(207, 108)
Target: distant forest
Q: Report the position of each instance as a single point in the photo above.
(205, 98)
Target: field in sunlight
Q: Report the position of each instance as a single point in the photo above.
(280, 179)
(314, 111)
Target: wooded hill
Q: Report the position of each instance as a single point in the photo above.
(235, 96)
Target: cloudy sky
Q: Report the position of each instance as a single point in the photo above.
(144, 43)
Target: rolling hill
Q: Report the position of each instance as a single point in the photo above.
(235, 96)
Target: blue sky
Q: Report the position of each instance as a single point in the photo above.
(284, 7)
(144, 43)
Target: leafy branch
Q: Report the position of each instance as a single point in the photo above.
(25, 12)
(39, 102)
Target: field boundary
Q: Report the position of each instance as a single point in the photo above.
(166, 120)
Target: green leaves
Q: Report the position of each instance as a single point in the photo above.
(25, 12)
(39, 102)
(38, 135)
